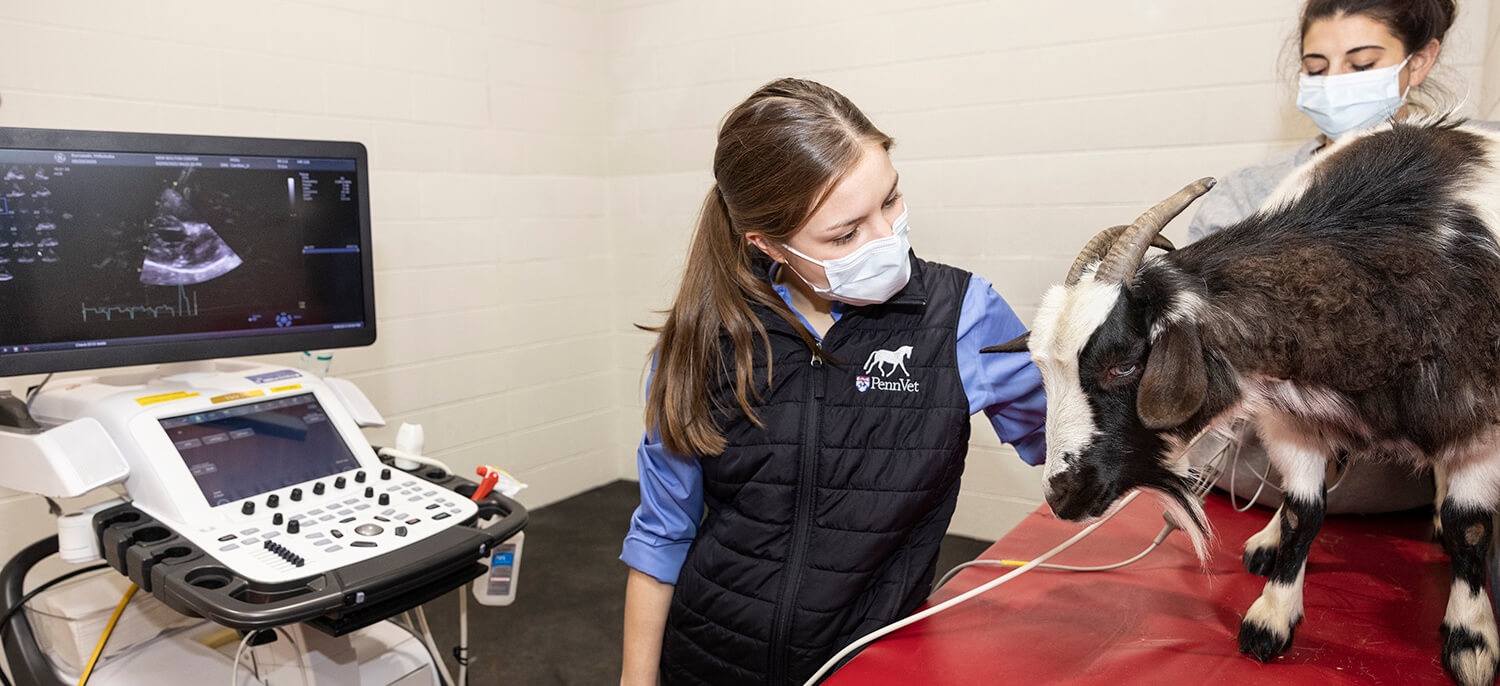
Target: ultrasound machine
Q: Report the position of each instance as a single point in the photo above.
(240, 492)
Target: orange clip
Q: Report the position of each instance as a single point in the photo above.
(487, 484)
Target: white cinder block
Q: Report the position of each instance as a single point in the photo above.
(412, 147)
(362, 92)
(557, 25)
(314, 127)
(547, 280)
(558, 360)
(444, 100)
(417, 292)
(552, 443)
(465, 15)
(395, 196)
(291, 29)
(857, 40)
(263, 82)
(987, 517)
(403, 45)
(522, 108)
(545, 67)
(533, 323)
(49, 111)
(540, 405)
(543, 197)
(455, 196)
(383, 8)
(565, 478)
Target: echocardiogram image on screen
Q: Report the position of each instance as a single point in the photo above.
(117, 249)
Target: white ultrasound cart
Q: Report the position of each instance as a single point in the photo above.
(332, 537)
(248, 495)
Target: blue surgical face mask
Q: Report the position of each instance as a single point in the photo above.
(871, 274)
(1351, 102)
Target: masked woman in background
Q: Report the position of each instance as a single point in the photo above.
(1363, 63)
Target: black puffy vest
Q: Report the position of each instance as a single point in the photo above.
(824, 524)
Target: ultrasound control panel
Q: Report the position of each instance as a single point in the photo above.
(327, 523)
(260, 467)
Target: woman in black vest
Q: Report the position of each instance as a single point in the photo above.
(808, 414)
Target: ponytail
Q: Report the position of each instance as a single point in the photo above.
(719, 282)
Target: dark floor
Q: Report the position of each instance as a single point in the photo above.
(566, 624)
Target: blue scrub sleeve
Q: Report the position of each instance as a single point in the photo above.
(1006, 386)
(665, 523)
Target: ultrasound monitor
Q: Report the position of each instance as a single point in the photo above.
(127, 248)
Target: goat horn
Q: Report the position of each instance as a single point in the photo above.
(1099, 246)
(1129, 248)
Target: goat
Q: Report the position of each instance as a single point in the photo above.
(1358, 311)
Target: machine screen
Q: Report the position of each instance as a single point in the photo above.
(243, 451)
(112, 257)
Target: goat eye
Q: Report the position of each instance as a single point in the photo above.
(1122, 370)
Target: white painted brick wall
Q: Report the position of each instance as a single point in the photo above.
(1491, 103)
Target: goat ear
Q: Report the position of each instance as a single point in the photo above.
(1015, 345)
(1175, 381)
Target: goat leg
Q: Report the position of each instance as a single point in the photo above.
(1260, 549)
(1266, 630)
(1469, 633)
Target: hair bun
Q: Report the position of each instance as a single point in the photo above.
(1415, 22)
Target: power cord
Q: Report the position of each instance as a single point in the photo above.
(867, 638)
(109, 629)
(303, 667)
(32, 393)
(11, 612)
(1165, 531)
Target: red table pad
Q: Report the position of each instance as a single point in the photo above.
(1374, 595)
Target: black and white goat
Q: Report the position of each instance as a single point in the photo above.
(1359, 312)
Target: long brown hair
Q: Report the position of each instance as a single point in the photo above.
(780, 153)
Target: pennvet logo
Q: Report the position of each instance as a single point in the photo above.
(886, 363)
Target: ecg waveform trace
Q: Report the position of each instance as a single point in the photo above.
(187, 306)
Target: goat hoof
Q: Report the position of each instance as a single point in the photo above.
(1260, 561)
(1468, 657)
(1263, 643)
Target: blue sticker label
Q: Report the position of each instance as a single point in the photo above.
(269, 377)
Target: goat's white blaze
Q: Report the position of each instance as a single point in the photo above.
(1063, 325)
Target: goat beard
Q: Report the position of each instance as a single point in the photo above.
(1186, 513)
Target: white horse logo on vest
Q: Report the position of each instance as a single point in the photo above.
(895, 358)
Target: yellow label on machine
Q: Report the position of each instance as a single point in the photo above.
(292, 387)
(164, 397)
(236, 396)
